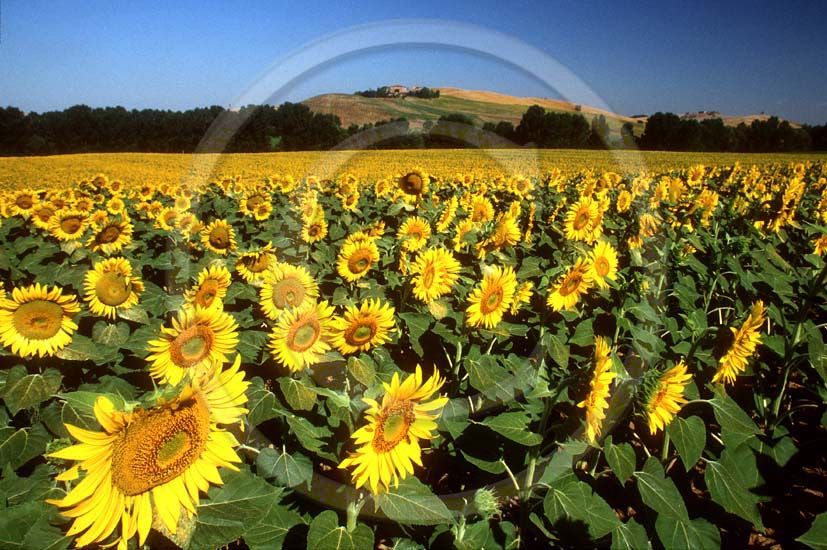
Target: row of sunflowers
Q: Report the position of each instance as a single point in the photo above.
(412, 360)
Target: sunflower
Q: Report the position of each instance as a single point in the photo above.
(362, 328)
(603, 264)
(413, 185)
(301, 335)
(315, 229)
(212, 285)
(414, 233)
(110, 287)
(382, 187)
(522, 295)
(464, 228)
(569, 287)
(350, 201)
(481, 209)
(110, 236)
(42, 215)
(218, 237)
(595, 404)
(743, 345)
(37, 320)
(447, 215)
(388, 445)
(151, 461)
(663, 397)
(286, 286)
(67, 225)
(115, 206)
(252, 265)
(167, 218)
(23, 203)
(581, 219)
(492, 297)
(820, 245)
(434, 273)
(356, 258)
(624, 201)
(199, 341)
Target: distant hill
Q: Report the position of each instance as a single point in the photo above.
(733, 120)
(480, 106)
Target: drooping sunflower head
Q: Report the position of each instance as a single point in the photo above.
(414, 233)
(198, 341)
(569, 287)
(662, 395)
(219, 237)
(110, 287)
(302, 335)
(363, 327)
(212, 285)
(151, 461)
(435, 271)
(388, 445)
(492, 298)
(68, 225)
(596, 401)
(744, 341)
(356, 258)
(253, 265)
(286, 286)
(37, 320)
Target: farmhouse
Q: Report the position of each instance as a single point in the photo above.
(397, 89)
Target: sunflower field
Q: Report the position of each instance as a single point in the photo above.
(419, 356)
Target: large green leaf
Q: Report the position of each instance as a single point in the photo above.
(110, 334)
(659, 493)
(621, 459)
(726, 489)
(816, 535)
(687, 535)
(29, 390)
(289, 470)
(577, 501)
(17, 447)
(514, 426)
(487, 376)
(261, 403)
(413, 503)
(689, 437)
(326, 534)
(630, 536)
(310, 436)
(298, 395)
(28, 526)
(732, 417)
(454, 417)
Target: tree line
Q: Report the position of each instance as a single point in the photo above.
(294, 127)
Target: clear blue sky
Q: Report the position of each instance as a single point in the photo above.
(739, 58)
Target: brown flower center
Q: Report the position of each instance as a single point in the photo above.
(360, 332)
(207, 293)
(412, 184)
(359, 262)
(582, 219)
(491, 300)
(159, 445)
(220, 237)
(71, 224)
(393, 425)
(109, 234)
(288, 292)
(113, 288)
(601, 266)
(24, 202)
(303, 333)
(570, 284)
(38, 319)
(192, 345)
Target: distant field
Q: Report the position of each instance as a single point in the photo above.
(137, 168)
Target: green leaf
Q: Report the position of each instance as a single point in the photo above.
(136, 314)
(326, 534)
(561, 463)
(490, 466)
(417, 324)
(31, 389)
(687, 535)
(816, 535)
(362, 370)
(577, 501)
(27, 526)
(110, 334)
(732, 418)
(289, 470)
(584, 334)
(17, 447)
(726, 489)
(689, 437)
(514, 426)
(621, 459)
(629, 536)
(309, 436)
(557, 350)
(659, 493)
(244, 504)
(454, 417)
(298, 395)
(261, 403)
(413, 503)
(487, 376)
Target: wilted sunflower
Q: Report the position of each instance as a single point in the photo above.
(252, 265)
(356, 258)
(302, 335)
(663, 396)
(566, 293)
(434, 273)
(414, 233)
(110, 236)
(603, 264)
(388, 445)
(110, 287)
(492, 298)
(582, 219)
(743, 345)
(151, 462)
(218, 237)
(595, 403)
(68, 225)
(200, 340)
(36, 320)
(362, 328)
(286, 286)
(212, 285)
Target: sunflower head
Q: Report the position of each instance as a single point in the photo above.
(110, 287)
(356, 258)
(286, 286)
(37, 320)
(302, 335)
(219, 237)
(253, 265)
(662, 395)
(363, 327)
(414, 183)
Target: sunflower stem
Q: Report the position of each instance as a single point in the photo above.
(511, 475)
(353, 509)
(664, 454)
(244, 447)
